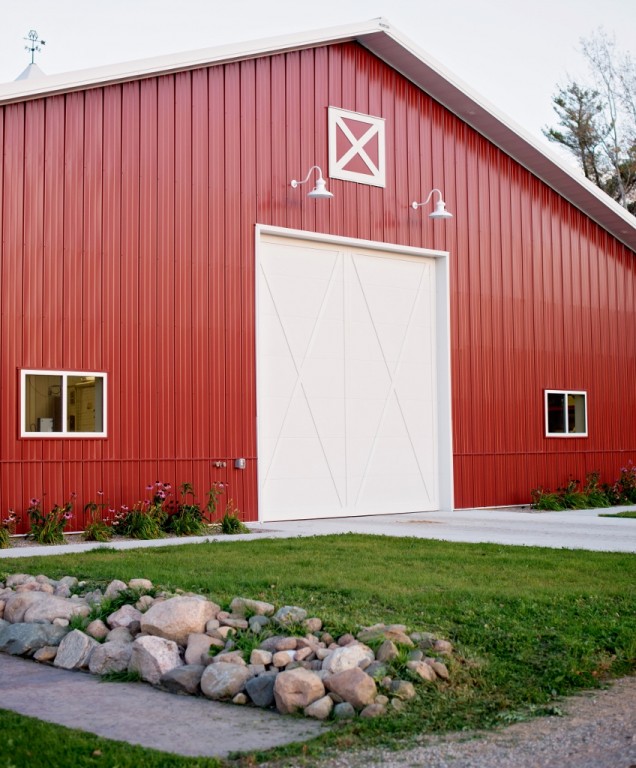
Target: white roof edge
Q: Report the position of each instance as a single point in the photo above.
(399, 52)
(140, 68)
(460, 99)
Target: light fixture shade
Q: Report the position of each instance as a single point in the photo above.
(440, 211)
(320, 190)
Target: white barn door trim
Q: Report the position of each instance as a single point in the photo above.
(353, 377)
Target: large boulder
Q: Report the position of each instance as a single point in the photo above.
(224, 681)
(296, 689)
(46, 611)
(26, 639)
(152, 657)
(110, 657)
(178, 617)
(75, 650)
(18, 603)
(353, 685)
(348, 657)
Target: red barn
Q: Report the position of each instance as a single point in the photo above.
(173, 308)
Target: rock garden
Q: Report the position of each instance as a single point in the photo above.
(254, 653)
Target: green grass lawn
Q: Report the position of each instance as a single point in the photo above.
(530, 625)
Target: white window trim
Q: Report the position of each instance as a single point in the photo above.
(565, 392)
(376, 176)
(64, 375)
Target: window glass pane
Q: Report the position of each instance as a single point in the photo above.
(84, 404)
(556, 412)
(576, 414)
(43, 403)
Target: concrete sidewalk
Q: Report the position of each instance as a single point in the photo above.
(140, 714)
(572, 529)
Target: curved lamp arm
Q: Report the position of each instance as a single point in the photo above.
(320, 189)
(440, 211)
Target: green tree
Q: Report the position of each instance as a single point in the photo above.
(597, 119)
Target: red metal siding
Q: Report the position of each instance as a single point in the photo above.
(127, 220)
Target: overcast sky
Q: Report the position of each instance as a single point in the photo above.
(513, 52)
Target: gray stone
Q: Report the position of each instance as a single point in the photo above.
(45, 654)
(423, 640)
(441, 670)
(278, 643)
(235, 623)
(230, 657)
(296, 689)
(17, 579)
(261, 689)
(186, 679)
(256, 623)
(259, 656)
(3, 623)
(75, 650)
(178, 617)
(153, 656)
(124, 617)
(19, 603)
(373, 710)
(242, 606)
(115, 587)
(24, 639)
(290, 614)
(353, 685)
(377, 670)
(224, 681)
(387, 651)
(443, 647)
(144, 602)
(320, 709)
(119, 635)
(344, 711)
(422, 670)
(403, 689)
(394, 632)
(143, 585)
(416, 655)
(313, 624)
(52, 608)
(62, 590)
(198, 647)
(110, 657)
(69, 581)
(348, 657)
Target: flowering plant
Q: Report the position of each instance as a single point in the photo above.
(146, 518)
(99, 527)
(7, 527)
(187, 518)
(48, 527)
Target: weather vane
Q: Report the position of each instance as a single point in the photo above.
(35, 44)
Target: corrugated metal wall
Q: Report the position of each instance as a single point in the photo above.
(127, 227)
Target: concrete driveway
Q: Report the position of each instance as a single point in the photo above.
(576, 529)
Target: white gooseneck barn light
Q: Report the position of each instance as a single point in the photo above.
(320, 190)
(440, 211)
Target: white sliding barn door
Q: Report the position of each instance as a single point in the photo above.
(346, 381)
